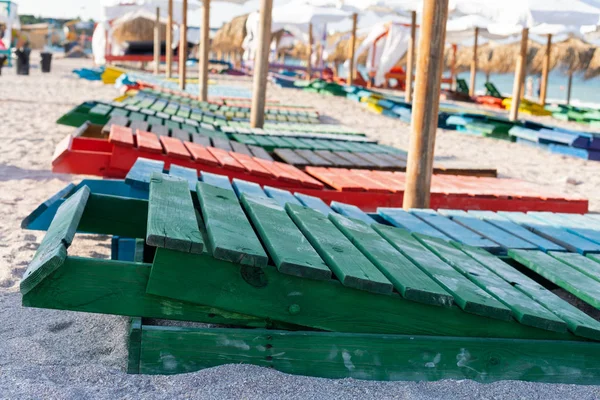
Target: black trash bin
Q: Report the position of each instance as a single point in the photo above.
(46, 61)
(2, 60)
(23, 61)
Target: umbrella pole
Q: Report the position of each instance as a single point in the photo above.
(157, 42)
(183, 46)
(352, 49)
(204, 47)
(545, 71)
(169, 40)
(569, 87)
(519, 76)
(410, 59)
(453, 67)
(310, 40)
(474, 64)
(426, 104)
(261, 66)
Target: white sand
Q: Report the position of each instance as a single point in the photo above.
(59, 354)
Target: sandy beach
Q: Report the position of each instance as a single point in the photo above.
(67, 355)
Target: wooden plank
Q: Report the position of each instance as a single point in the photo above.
(249, 188)
(240, 148)
(350, 266)
(230, 235)
(288, 248)
(138, 126)
(118, 120)
(291, 157)
(172, 222)
(355, 159)
(467, 295)
(187, 174)
(313, 158)
(456, 231)
(412, 283)
(282, 197)
(334, 180)
(159, 130)
(561, 274)
(52, 251)
(222, 144)
(576, 224)
(314, 202)
(175, 148)
(333, 158)
(143, 168)
(250, 164)
(180, 134)
(523, 309)
(374, 158)
(260, 153)
(402, 219)
(517, 230)
(220, 181)
(581, 263)
(351, 211)
(119, 135)
(200, 154)
(147, 141)
(201, 140)
(225, 159)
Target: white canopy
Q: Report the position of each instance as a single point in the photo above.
(299, 12)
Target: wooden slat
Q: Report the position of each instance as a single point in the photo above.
(201, 140)
(187, 174)
(412, 283)
(365, 182)
(240, 148)
(351, 211)
(314, 202)
(175, 148)
(355, 160)
(225, 159)
(147, 141)
(402, 219)
(576, 224)
(138, 126)
(581, 263)
(313, 158)
(578, 322)
(222, 144)
(230, 235)
(291, 157)
(172, 222)
(281, 196)
(220, 181)
(333, 158)
(561, 274)
(304, 179)
(329, 177)
(200, 154)
(466, 294)
(375, 159)
(249, 188)
(260, 153)
(159, 130)
(523, 309)
(350, 266)
(288, 248)
(180, 134)
(143, 168)
(118, 120)
(121, 136)
(250, 164)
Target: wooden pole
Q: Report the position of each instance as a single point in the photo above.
(169, 40)
(183, 46)
(474, 64)
(157, 42)
(545, 71)
(453, 67)
(310, 41)
(410, 59)
(352, 49)
(204, 47)
(569, 87)
(426, 104)
(519, 76)
(261, 66)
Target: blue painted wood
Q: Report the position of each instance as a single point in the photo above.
(249, 188)
(351, 211)
(215, 180)
(114, 247)
(126, 249)
(36, 214)
(402, 219)
(281, 196)
(456, 231)
(517, 230)
(187, 174)
(560, 236)
(314, 202)
(139, 175)
(576, 224)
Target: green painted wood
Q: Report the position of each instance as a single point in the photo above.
(583, 264)
(412, 283)
(230, 235)
(172, 222)
(523, 309)
(288, 248)
(578, 322)
(561, 274)
(368, 356)
(134, 345)
(466, 294)
(52, 251)
(350, 266)
(114, 215)
(595, 257)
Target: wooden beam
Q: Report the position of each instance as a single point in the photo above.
(545, 71)
(569, 87)
(169, 40)
(474, 64)
(310, 43)
(519, 76)
(261, 68)
(426, 104)
(352, 49)
(453, 67)
(204, 47)
(410, 59)
(183, 46)
(157, 42)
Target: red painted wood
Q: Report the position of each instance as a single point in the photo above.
(121, 136)
(148, 142)
(304, 178)
(280, 173)
(200, 154)
(175, 148)
(250, 165)
(225, 160)
(365, 183)
(339, 182)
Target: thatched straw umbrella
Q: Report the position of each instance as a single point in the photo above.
(342, 50)
(229, 38)
(137, 29)
(593, 68)
(464, 57)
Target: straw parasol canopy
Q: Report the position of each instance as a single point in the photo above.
(593, 69)
(341, 52)
(231, 35)
(137, 29)
(571, 55)
(464, 55)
